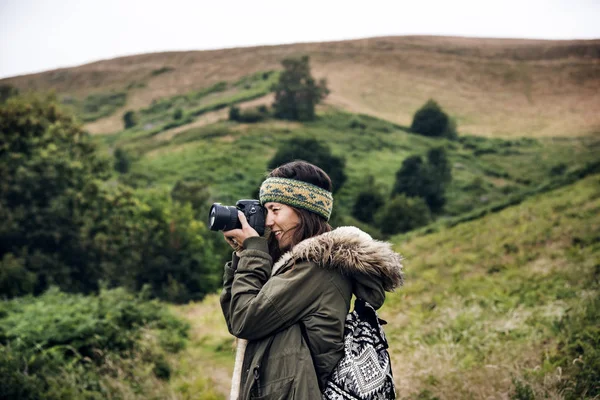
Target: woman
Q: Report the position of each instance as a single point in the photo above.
(287, 296)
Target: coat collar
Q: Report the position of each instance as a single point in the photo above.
(352, 252)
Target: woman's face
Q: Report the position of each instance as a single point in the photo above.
(283, 221)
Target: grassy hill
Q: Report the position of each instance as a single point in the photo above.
(499, 301)
(486, 312)
(493, 87)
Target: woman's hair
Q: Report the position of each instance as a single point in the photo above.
(310, 224)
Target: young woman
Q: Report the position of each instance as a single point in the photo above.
(287, 295)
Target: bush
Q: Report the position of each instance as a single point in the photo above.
(234, 113)
(368, 201)
(7, 91)
(130, 119)
(249, 115)
(314, 152)
(402, 214)
(578, 352)
(122, 161)
(177, 114)
(62, 346)
(431, 120)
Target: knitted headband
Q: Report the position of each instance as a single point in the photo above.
(297, 194)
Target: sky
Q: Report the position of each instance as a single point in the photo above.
(39, 35)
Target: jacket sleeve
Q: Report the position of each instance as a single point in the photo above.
(261, 306)
(225, 297)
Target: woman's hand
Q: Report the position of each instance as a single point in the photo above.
(236, 237)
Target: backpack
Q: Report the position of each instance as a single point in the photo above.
(365, 371)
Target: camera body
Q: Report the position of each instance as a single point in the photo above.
(225, 218)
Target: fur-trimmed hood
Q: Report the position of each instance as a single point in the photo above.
(372, 264)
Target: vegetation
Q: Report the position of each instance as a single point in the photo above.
(403, 214)
(7, 91)
(426, 180)
(130, 119)
(65, 346)
(122, 161)
(297, 93)
(251, 115)
(368, 201)
(65, 226)
(96, 105)
(431, 120)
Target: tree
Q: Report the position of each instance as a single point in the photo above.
(193, 192)
(297, 93)
(49, 169)
(368, 201)
(431, 120)
(63, 225)
(130, 119)
(314, 152)
(177, 114)
(7, 91)
(427, 180)
(122, 161)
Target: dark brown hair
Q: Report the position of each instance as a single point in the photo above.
(310, 224)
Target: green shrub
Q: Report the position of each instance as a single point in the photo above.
(161, 70)
(7, 91)
(578, 352)
(130, 119)
(61, 346)
(368, 201)
(427, 180)
(249, 115)
(177, 114)
(122, 161)
(402, 214)
(522, 391)
(431, 120)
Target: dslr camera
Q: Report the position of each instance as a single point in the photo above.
(225, 218)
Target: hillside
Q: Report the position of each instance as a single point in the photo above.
(483, 310)
(493, 87)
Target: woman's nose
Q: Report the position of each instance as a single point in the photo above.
(270, 220)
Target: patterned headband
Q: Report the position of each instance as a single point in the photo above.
(298, 194)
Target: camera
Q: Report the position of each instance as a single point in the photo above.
(225, 218)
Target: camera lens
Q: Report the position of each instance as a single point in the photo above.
(222, 218)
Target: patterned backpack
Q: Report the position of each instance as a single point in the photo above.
(365, 371)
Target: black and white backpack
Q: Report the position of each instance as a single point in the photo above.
(365, 371)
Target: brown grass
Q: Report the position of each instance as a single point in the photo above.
(494, 87)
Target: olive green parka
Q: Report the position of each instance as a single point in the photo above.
(289, 317)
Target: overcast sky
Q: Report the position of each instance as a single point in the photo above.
(38, 35)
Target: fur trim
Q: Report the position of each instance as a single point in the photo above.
(352, 251)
